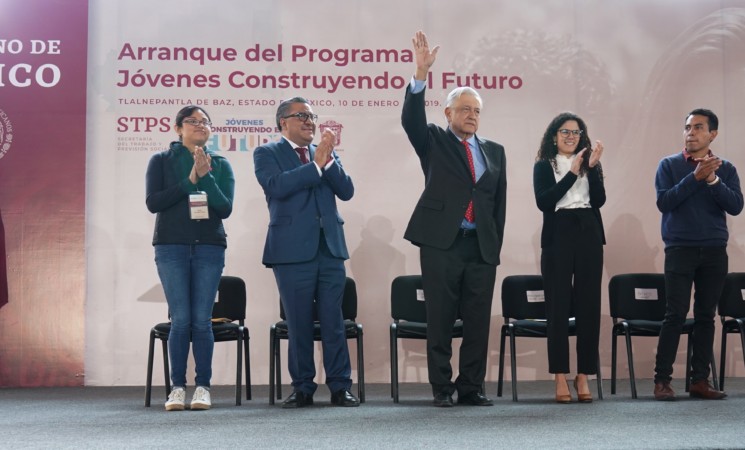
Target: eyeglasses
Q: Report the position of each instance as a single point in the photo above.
(467, 110)
(197, 122)
(565, 132)
(304, 117)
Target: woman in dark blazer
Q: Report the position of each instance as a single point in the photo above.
(568, 186)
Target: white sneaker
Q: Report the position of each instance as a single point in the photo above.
(201, 399)
(176, 399)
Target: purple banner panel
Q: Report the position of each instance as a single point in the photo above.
(43, 60)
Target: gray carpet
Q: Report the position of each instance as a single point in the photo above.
(94, 417)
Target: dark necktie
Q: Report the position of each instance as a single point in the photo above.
(301, 153)
(470, 216)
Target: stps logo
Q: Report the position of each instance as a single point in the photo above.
(333, 126)
(6, 133)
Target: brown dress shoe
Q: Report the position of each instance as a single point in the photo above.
(663, 391)
(703, 389)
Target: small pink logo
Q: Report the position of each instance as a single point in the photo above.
(333, 126)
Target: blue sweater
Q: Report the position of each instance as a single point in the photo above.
(694, 213)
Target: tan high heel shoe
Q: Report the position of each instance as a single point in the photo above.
(565, 396)
(582, 397)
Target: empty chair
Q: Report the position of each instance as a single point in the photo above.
(524, 312)
(732, 315)
(409, 319)
(352, 329)
(229, 309)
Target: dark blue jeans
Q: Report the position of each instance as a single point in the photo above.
(705, 268)
(190, 275)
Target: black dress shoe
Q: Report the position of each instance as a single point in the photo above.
(298, 399)
(474, 398)
(343, 397)
(443, 400)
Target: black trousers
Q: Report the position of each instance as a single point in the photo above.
(457, 281)
(572, 268)
(706, 268)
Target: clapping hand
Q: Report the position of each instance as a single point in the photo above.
(577, 162)
(202, 165)
(597, 152)
(324, 148)
(706, 168)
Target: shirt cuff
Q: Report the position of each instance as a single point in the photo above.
(416, 86)
(318, 169)
(716, 180)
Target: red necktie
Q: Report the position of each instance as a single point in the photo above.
(470, 216)
(301, 153)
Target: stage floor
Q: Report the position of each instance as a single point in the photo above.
(115, 417)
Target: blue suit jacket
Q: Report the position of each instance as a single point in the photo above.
(300, 203)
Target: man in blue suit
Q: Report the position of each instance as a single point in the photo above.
(306, 249)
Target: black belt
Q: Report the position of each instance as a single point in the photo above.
(467, 232)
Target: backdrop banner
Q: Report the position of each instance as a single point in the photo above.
(631, 69)
(43, 66)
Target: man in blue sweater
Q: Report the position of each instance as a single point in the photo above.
(695, 191)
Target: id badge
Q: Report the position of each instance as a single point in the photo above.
(198, 206)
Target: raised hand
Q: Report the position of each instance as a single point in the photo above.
(597, 152)
(423, 56)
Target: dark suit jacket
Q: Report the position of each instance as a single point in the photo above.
(300, 203)
(448, 185)
(548, 193)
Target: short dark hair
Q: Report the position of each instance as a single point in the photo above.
(710, 117)
(284, 105)
(187, 111)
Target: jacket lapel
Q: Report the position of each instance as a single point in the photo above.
(489, 169)
(460, 151)
(287, 155)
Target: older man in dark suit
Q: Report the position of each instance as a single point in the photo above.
(458, 223)
(306, 249)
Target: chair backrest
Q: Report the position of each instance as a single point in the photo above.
(404, 302)
(637, 296)
(732, 303)
(348, 303)
(522, 297)
(231, 299)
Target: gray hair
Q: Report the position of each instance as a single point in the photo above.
(463, 90)
(284, 106)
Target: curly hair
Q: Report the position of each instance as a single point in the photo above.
(548, 149)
